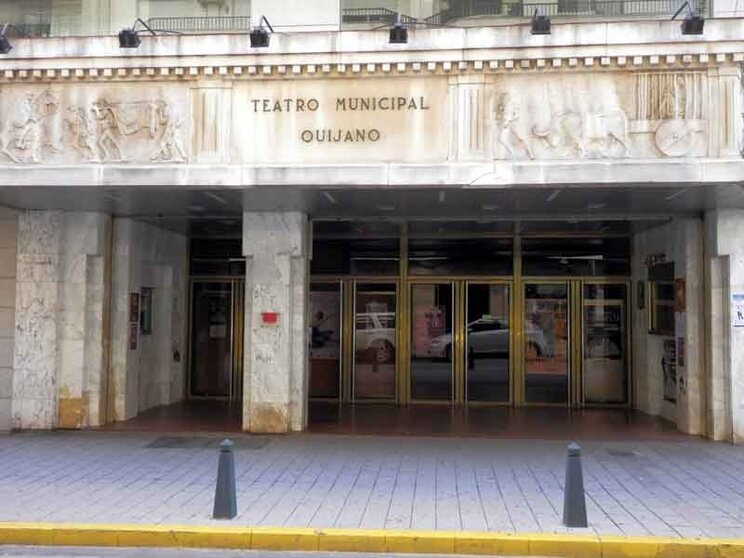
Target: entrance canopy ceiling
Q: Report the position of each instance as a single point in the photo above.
(217, 212)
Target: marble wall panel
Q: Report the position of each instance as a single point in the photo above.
(275, 245)
(681, 242)
(148, 375)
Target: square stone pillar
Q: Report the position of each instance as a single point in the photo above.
(724, 337)
(275, 360)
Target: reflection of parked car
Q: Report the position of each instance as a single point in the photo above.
(375, 336)
(489, 336)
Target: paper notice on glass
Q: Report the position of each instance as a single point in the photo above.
(737, 310)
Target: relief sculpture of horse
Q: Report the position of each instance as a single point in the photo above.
(589, 133)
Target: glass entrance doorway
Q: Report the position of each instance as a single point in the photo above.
(469, 314)
(216, 360)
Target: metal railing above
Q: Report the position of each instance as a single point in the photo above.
(202, 24)
(557, 8)
(375, 15)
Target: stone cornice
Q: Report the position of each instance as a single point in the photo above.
(441, 67)
(639, 45)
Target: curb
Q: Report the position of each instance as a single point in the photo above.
(364, 540)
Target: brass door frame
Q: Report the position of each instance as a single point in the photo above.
(456, 339)
(509, 283)
(343, 288)
(350, 373)
(237, 329)
(627, 322)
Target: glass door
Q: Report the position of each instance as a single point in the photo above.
(325, 340)
(546, 343)
(432, 344)
(487, 343)
(216, 339)
(604, 342)
(375, 341)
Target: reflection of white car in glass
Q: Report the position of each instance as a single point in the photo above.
(375, 336)
(489, 336)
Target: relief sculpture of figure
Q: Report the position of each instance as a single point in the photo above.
(507, 135)
(28, 135)
(171, 146)
(109, 130)
(673, 98)
(83, 133)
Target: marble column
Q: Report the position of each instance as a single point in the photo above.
(275, 363)
(8, 243)
(680, 242)
(725, 341)
(58, 356)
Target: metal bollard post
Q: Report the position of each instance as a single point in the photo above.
(225, 502)
(574, 500)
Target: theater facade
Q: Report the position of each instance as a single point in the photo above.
(478, 217)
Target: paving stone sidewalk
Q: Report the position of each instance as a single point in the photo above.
(691, 488)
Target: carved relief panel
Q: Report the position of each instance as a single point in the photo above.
(598, 116)
(89, 124)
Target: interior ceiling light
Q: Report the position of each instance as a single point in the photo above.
(540, 23)
(398, 33)
(129, 37)
(693, 24)
(259, 35)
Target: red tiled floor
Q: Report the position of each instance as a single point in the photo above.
(420, 420)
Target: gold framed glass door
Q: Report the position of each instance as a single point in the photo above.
(546, 343)
(432, 342)
(325, 346)
(216, 355)
(604, 344)
(375, 341)
(488, 342)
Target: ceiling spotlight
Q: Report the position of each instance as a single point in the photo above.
(259, 35)
(540, 23)
(692, 24)
(5, 45)
(129, 37)
(398, 33)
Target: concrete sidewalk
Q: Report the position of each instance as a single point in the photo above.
(678, 489)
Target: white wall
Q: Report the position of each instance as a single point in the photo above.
(297, 15)
(8, 236)
(725, 267)
(150, 375)
(681, 242)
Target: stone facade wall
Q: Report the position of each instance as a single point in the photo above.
(59, 350)
(277, 280)
(152, 371)
(680, 242)
(724, 230)
(8, 242)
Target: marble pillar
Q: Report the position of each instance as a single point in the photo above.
(724, 230)
(275, 363)
(58, 357)
(680, 242)
(8, 243)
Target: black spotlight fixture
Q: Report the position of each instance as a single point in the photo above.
(540, 23)
(693, 24)
(5, 45)
(398, 33)
(129, 37)
(259, 35)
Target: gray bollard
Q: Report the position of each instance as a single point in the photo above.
(574, 500)
(225, 502)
